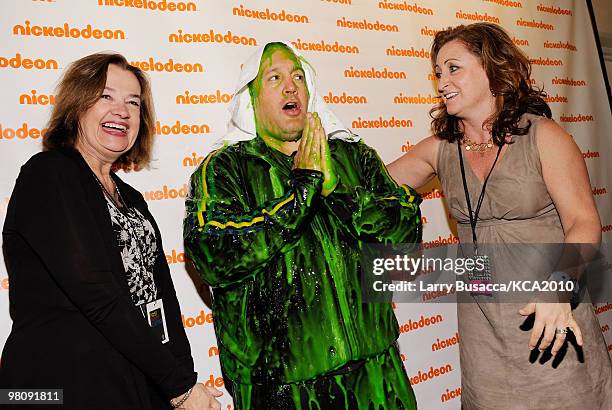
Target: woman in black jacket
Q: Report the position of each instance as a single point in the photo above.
(94, 309)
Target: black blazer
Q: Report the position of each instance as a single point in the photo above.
(75, 326)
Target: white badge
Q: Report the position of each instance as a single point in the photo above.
(157, 319)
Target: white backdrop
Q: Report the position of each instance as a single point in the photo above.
(372, 61)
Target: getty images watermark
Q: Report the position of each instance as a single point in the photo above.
(517, 273)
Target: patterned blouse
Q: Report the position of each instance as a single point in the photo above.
(138, 246)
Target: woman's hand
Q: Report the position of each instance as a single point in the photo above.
(201, 397)
(548, 318)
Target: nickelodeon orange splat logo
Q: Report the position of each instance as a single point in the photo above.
(421, 323)
(217, 97)
(568, 81)
(576, 118)
(445, 343)
(476, 16)
(201, 319)
(450, 394)
(282, 16)
(169, 66)
(211, 37)
(36, 99)
(214, 381)
(166, 193)
(325, 47)
(408, 52)
(404, 6)
(534, 24)
(24, 132)
(344, 99)
(193, 161)
(416, 99)
(506, 3)
(345, 2)
(66, 31)
(366, 25)
(213, 351)
(432, 373)
(374, 73)
(161, 5)
(175, 257)
(28, 63)
(599, 191)
(179, 128)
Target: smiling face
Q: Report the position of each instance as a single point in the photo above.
(280, 97)
(109, 128)
(462, 82)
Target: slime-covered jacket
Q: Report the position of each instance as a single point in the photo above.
(284, 261)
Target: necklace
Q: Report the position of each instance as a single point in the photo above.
(478, 146)
(120, 204)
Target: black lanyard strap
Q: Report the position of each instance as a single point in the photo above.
(474, 217)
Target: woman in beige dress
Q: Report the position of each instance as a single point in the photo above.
(537, 191)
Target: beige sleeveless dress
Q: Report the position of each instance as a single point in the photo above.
(498, 371)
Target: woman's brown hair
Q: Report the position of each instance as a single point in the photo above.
(509, 74)
(79, 89)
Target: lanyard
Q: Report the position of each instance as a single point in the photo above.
(474, 217)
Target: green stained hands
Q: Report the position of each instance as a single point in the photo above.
(313, 153)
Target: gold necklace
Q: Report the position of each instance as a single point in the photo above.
(478, 146)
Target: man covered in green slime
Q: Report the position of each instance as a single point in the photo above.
(275, 223)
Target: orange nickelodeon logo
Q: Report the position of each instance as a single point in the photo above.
(168, 66)
(546, 61)
(67, 31)
(602, 309)
(4, 283)
(366, 25)
(408, 52)
(27, 63)
(181, 129)
(374, 73)
(568, 81)
(445, 343)
(520, 41)
(215, 98)
(429, 32)
(201, 319)
(269, 15)
(555, 98)
(590, 154)
(450, 394)
(423, 376)
(600, 191)
(534, 24)
(166, 193)
(450, 240)
(407, 147)
(23, 132)
(325, 47)
(162, 5)
(434, 294)
(506, 3)
(175, 257)
(404, 6)
(344, 99)
(560, 44)
(421, 323)
(416, 99)
(433, 194)
(347, 2)
(36, 99)
(381, 122)
(554, 10)
(576, 118)
(211, 37)
(213, 351)
(214, 381)
(476, 16)
(193, 161)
